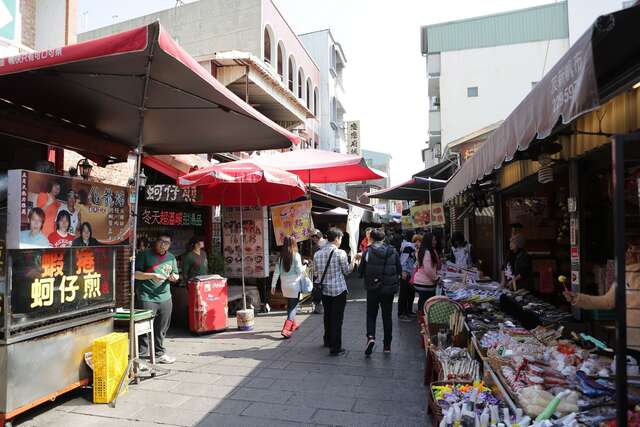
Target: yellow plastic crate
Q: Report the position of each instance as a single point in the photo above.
(110, 359)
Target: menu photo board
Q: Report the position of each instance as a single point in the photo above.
(255, 221)
(50, 282)
(427, 215)
(52, 211)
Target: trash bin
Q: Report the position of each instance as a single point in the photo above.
(208, 298)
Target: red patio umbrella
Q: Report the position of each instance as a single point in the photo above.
(244, 184)
(321, 167)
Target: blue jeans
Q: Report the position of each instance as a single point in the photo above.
(292, 307)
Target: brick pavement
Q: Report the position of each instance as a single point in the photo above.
(258, 379)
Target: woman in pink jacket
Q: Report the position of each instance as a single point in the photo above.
(426, 274)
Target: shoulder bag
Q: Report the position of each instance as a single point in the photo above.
(317, 287)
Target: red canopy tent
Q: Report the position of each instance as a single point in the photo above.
(321, 167)
(134, 91)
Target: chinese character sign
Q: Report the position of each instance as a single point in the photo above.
(51, 211)
(171, 193)
(56, 281)
(292, 220)
(353, 137)
(422, 216)
(152, 216)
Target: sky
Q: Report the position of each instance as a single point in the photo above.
(385, 79)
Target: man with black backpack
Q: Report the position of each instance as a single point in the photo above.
(381, 270)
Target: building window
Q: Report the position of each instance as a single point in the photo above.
(472, 92)
(291, 74)
(315, 102)
(533, 84)
(334, 111)
(300, 83)
(280, 61)
(267, 46)
(309, 96)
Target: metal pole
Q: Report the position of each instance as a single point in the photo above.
(134, 210)
(430, 210)
(617, 158)
(244, 296)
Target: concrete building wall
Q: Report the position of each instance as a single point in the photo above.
(582, 13)
(503, 76)
(28, 27)
(203, 27)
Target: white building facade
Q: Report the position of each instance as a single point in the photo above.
(331, 60)
(480, 69)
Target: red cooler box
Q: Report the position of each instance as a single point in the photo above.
(208, 299)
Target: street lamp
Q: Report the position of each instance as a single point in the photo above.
(142, 178)
(84, 168)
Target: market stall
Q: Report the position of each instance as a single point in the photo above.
(537, 157)
(133, 92)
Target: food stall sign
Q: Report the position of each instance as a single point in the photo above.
(47, 282)
(572, 205)
(172, 217)
(573, 231)
(255, 223)
(45, 210)
(292, 220)
(171, 193)
(422, 216)
(575, 277)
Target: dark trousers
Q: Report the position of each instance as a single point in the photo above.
(405, 298)
(162, 311)
(292, 307)
(423, 296)
(333, 317)
(375, 300)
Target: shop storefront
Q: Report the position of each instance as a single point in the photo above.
(550, 168)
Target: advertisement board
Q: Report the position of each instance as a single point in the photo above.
(292, 220)
(52, 211)
(256, 241)
(49, 282)
(423, 216)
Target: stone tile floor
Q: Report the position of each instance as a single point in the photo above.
(258, 379)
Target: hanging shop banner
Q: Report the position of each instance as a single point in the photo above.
(256, 241)
(51, 211)
(422, 216)
(407, 222)
(171, 193)
(171, 217)
(48, 282)
(292, 220)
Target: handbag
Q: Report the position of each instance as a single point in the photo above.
(317, 287)
(305, 285)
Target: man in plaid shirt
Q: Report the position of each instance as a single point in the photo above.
(334, 288)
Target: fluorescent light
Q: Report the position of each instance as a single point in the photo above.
(636, 86)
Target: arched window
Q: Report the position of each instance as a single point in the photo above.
(267, 46)
(291, 74)
(309, 95)
(280, 61)
(315, 102)
(300, 83)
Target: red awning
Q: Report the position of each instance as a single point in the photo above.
(321, 167)
(98, 88)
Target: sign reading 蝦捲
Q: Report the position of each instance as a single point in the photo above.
(47, 282)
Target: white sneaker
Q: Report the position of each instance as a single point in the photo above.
(165, 359)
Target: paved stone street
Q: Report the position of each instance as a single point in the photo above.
(258, 379)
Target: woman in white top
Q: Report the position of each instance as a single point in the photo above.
(289, 268)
